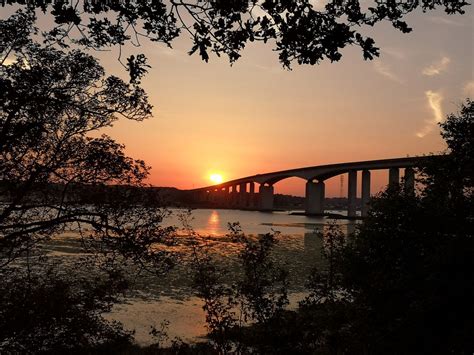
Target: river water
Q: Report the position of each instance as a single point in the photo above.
(215, 222)
(172, 298)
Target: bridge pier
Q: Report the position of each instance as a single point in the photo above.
(228, 194)
(251, 203)
(393, 177)
(314, 197)
(409, 181)
(212, 195)
(233, 196)
(352, 193)
(243, 195)
(221, 196)
(266, 197)
(365, 192)
(224, 196)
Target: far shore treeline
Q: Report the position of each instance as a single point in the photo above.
(152, 196)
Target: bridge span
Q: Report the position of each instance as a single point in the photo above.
(241, 193)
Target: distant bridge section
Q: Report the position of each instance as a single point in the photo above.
(241, 193)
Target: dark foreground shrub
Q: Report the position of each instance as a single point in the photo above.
(52, 312)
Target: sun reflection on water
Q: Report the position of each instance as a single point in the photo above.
(213, 223)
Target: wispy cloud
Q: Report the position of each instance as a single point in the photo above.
(397, 53)
(171, 53)
(468, 89)
(446, 21)
(437, 67)
(274, 69)
(385, 70)
(434, 102)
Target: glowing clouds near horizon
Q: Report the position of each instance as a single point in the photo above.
(216, 178)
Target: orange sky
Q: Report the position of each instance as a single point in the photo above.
(256, 117)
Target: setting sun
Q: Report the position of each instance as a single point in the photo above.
(216, 178)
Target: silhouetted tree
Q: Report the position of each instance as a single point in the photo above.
(258, 295)
(404, 280)
(452, 178)
(53, 312)
(401, 284)
(53, 104)
(299, 31)
(409, 267)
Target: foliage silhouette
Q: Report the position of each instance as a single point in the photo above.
(402, 283)
(408, 266)
(49, 312)
(258, 296)
(52, 105)
(300, 32)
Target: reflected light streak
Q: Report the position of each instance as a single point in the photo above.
(213, 223)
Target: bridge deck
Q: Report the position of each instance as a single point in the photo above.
(323, 172)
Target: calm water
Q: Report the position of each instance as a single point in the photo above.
(172, 298)
(215, 222)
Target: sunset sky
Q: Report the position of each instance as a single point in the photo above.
(257, 117)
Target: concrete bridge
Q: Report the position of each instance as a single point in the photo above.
(241, 193)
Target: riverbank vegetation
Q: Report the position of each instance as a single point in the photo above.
(402, 283)
(53, 104)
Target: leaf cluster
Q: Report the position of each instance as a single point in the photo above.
(402, 283)
(301, 33)
(53, 104)
(49, 311)
(258, 296)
